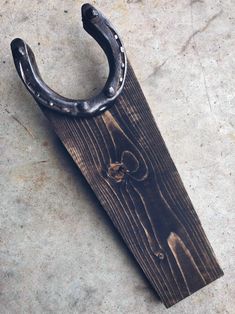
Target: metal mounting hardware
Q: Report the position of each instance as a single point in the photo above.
(103, 32)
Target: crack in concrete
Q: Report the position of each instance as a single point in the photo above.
(201, 30)
(158, 67)
(185, 46)
(20, 123)
(192, 37)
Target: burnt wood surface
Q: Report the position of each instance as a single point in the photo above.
(124, 158)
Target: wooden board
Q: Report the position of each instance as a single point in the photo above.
(123, 157)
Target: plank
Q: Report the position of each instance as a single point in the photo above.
(124, 158)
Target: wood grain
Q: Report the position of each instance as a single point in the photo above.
(124, 158)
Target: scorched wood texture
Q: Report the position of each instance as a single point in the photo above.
(124, 158)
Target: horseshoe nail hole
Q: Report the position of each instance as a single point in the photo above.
(117, 171)
(22, 51)
(65, 109)
(160, 255)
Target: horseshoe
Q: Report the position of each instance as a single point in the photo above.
(103, 32)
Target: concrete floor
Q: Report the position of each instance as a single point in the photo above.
(59, 252)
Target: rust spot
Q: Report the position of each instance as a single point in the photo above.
(117, 171)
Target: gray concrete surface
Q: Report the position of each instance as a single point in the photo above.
(59, 252)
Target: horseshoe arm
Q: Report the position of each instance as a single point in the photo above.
(103, 32)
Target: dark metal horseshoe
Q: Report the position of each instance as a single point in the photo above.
(103, 32)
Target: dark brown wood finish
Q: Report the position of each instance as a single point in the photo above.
(123, 157)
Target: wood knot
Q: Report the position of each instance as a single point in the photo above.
(117, 171)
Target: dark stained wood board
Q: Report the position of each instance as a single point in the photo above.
(123, 157)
